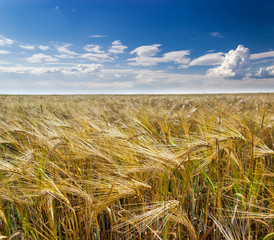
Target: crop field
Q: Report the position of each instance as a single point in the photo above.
(139, 167)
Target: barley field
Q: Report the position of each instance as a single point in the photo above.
(139, 167)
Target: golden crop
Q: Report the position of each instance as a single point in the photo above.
(137, 167)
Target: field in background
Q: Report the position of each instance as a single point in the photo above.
(137, 167)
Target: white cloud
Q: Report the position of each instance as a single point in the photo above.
(97, 36)
(183, 66)
(27, 47)
(4, 52)
(266, 72)
(208, 59)
(78, 69)
(146, 56)
(147, 51)
(64, 50)
(256, 56)
(153, 78)
(144, 61)
(117, 47)
(44, 48)
(115, 84)
(82, 69)
(234, 65)
(64, 56)
(97, 57)
(4, 62)
(216, 34)
(177, 57)
(149, 77)
(93, 48)
(5, 41)
(85, 77)
(37, 58)
(16, 69)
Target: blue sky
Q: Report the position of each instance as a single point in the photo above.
(136, 46)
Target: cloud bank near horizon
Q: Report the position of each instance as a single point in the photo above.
(117, 66)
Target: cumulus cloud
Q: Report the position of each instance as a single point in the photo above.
(234, 65)
(266, 72)
(27, 47)
(5, 41)
(43, 48)
(37, 58)
(4, 52)
(256, 56)
(208, 59)
(117, 47)
(93, 48)
(216, 35)
(146, 56)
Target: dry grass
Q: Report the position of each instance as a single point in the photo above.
(137, 167)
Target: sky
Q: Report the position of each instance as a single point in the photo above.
(136, 46)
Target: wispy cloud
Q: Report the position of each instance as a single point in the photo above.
(147, 51)
(4, 52)
(216, 35)
(92, 84)
(82, 69)
(64, 50)
(148, 77)
(146, 56)
(179, 57)
(93, 48)
(43, 48)
(97, 57)
(64, 56)
(5, 41)
(4, 62)
(68, 70)
(96, 54)
(97, 36)
(117, 47)
(256, 56)
(208, 59)
(37, 58)
(27, 47)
